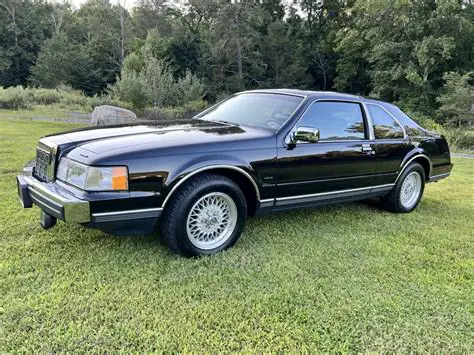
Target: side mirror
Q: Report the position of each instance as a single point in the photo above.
(305, 134)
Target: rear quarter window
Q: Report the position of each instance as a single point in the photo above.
(385, 126)
(411, 127)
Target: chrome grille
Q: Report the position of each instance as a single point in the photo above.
(43, 159)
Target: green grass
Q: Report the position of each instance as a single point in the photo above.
(341, 278)
(50, 111)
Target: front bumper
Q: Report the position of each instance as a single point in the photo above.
(53, 200)
(128, 214)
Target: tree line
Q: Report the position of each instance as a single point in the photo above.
(418, 53)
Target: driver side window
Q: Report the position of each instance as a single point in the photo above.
(335, 120)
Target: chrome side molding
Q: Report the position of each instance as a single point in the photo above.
(438, 177)
(269, 202)
(281, 201)
(127, 215)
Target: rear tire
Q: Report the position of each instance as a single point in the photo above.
(408, 190)
(205, 216)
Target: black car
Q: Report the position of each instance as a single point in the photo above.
(255, 152)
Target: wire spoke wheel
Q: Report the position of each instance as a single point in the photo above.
(410, 189)
(211, 220)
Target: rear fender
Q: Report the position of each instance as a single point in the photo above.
(419, 155)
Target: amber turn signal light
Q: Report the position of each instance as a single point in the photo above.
(119, 178)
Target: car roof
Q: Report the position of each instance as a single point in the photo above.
(308, 93)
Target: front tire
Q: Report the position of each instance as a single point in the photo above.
(408, 190)
(205, 216)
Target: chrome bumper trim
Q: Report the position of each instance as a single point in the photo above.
(56, 201)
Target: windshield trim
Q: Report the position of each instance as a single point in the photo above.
(199, 115)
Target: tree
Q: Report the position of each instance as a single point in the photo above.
(151, 14)
(183, 54)
(403, 47)
(236, 58)
(101, 28)
(284, 67)
(457, 100)
(396, 50)
(23, 27)
(62, 62)
(322, 20)
(61, 13)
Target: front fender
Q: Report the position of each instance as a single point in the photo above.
(209, 163)
(208, 160)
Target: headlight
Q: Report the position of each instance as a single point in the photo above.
(92, 178)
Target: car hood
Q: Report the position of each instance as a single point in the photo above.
(164, 134)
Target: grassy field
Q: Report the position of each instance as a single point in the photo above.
(341, 278)
(44, 112)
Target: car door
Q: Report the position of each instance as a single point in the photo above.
(340, 164)
(391, 144)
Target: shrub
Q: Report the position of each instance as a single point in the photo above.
(222, 96)
(64, 87)
(133, 63)
(45, 96)
(78, 100)
(189, 89)
(457, 100)
(162, 113)
(129, 88)
(73, 98)
(425, 121)
(168, 113)
(460, 139)
(196, 106)
(153, 84)
(15, 98)
(157, 83)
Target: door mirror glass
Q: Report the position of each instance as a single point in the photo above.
(305, 134)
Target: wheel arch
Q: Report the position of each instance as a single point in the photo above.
(242, 178)
(421, 159)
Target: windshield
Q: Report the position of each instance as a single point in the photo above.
(263, 110)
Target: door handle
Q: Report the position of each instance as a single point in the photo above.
(366, 148)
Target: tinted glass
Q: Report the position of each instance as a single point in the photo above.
(385, 127)
(335, 120)
(411, 127)
(262, 110)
